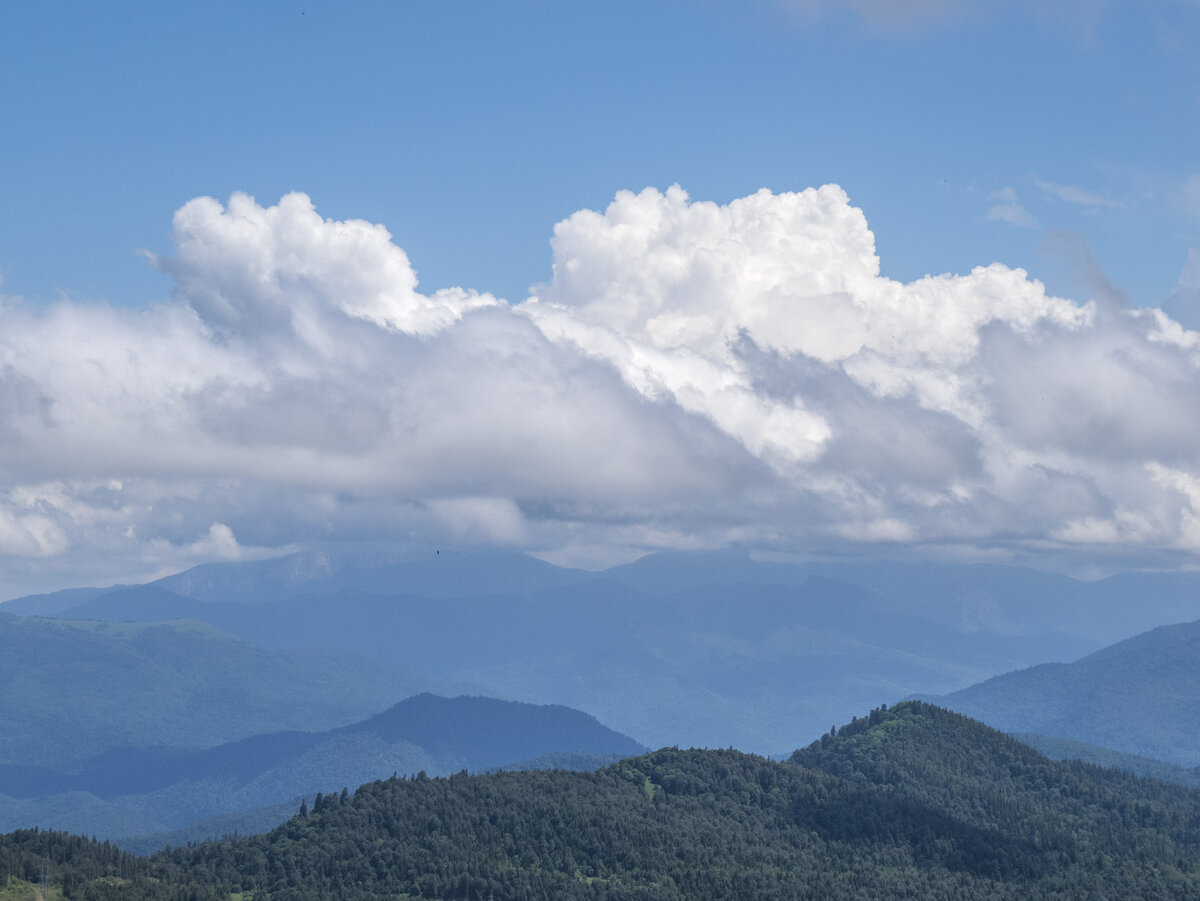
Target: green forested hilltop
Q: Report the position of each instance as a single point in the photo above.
(909, 802)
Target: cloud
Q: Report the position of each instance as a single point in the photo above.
(496, 520)
(1190, 194)
(1077, 196)
(221, 544)
(692, 375)
(260, 270)
(1184, 303)
(1007, 208)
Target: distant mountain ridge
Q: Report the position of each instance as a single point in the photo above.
(1137, 696)
(471, 733)
(704, 649)
(313, 573)
(965, 597)
(166, 789)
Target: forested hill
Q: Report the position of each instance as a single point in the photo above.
(910, 802)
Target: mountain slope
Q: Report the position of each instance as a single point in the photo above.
(1137, 696)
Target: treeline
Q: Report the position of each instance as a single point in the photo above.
(79, 868)
(909, 802)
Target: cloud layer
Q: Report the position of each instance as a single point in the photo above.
(693, 375)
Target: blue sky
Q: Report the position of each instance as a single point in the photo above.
(255, 381)
(469, 129)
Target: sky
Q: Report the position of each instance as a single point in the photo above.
(914, 278)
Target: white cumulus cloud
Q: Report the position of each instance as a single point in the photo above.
(692, 375)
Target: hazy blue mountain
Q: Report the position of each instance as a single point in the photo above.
(436, 574)
(763, 666)
(464, 732)
(484, 732)
(1137, 696)
(969, 598)
(977, 598)
(139, 603)
(251, 581)
(698, 648)
(1019, 601)
(138, 791)
(53, 603)
(1145, 767)
(71, 690)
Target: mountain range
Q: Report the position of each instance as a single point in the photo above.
(709, 649)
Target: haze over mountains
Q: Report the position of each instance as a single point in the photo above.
(705, 649)
(72, 689)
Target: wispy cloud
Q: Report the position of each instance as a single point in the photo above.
(1078, 196)
(1007, 208)
(1189, 194)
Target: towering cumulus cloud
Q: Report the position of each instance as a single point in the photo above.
(257, 271)
(692, 375)
(691, 300)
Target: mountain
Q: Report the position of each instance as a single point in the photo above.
(482, 733)
(471, 733)
(710, 649)
(137, 791)
(914, 802)
(1137, 697)
(437, 575)
(53, 603)
(760, 666)
(989, 598)
(969, 598)
(70, 690)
